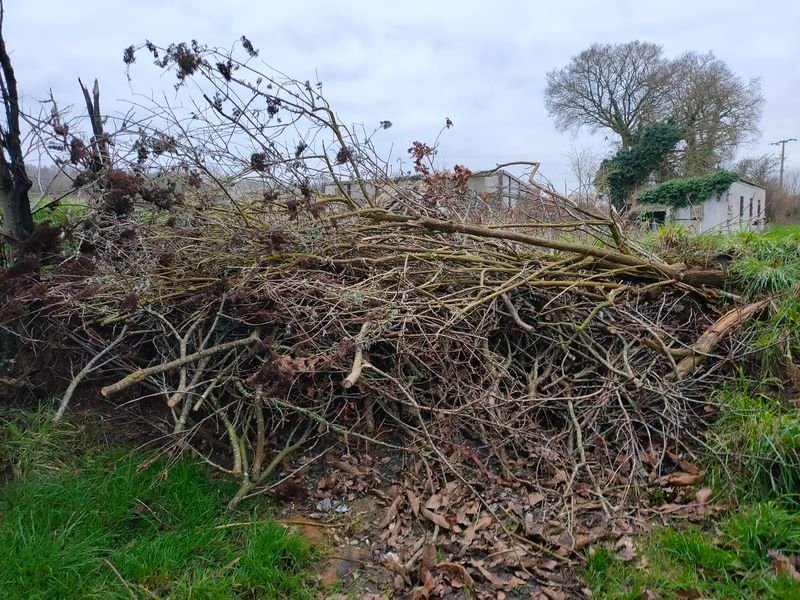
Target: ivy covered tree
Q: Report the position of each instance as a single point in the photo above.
(628, 169)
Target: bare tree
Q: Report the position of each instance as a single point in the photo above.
(583, 165)
(618, 87)
(14, 181)
(716, 109)
(758, 169)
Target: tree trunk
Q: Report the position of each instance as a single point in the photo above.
(100, 154)
(14, 181)
(16, 209)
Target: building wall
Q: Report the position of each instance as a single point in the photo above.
(740, 209)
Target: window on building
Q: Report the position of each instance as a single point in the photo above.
(741, 207)
(751, 208)
(758, 209)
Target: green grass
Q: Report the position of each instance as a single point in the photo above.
(755, 444)
(68, 210)
(730, 563)
(763, 263)
(68, 523)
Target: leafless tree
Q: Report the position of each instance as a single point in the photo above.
(716, 109)
(758, 169)
(618, 87)
(583, 165)
(14, 181)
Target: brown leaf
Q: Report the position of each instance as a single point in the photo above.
(625, 549)
(428, 558)
(534, 499)
(783, 564)
(456, 571)
(484, 522)
(687, 594)
(435, 518)
(703, 496)
(413, 502)
(391, 513)
(435, 502)
(496, 581)
(682, 478)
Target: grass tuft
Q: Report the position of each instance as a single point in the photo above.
(757, 442)
(115, 524)
(733, 564)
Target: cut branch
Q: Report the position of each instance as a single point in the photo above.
(142, 374)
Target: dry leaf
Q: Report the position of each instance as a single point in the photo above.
(413, 502)
(534, 499)
(428, 558)
(435, 518)
(687, 594)
(625, 549)
(784, 564)
(456, 571)
(435, 502)
(682, 478)
(391, 513)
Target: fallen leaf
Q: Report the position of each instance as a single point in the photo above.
(456, 571)
(413, 502)
(435, 518)
(391, 513)
(435, 502)
(783, 564)
(681, 478)
(703, 496)
(687, 594)
(625, 549)
(534, 499)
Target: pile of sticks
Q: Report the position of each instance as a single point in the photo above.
(269, 331)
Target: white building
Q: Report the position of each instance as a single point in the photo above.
(741, 208)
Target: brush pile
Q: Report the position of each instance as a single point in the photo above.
(370, 324)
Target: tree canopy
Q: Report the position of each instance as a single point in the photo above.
(617, 87)
(625, 87)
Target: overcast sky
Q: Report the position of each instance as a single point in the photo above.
(415, 62)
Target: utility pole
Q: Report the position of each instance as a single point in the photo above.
(783, 149)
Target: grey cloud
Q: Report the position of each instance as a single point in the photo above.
(416, 62)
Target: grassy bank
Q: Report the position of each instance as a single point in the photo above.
(108, 523)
